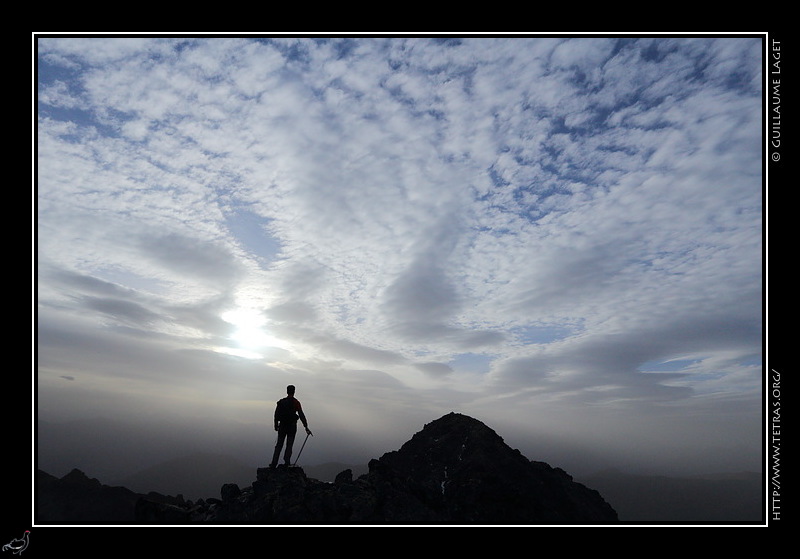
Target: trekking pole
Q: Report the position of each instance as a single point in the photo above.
(301, 450)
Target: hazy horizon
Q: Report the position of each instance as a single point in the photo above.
(112, 461)
(560, 237)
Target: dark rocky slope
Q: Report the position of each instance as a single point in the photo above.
(78, 499)
(455, 471)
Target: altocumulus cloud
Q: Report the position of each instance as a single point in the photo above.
(517, 228)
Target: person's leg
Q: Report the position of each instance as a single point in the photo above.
(289, 444)
(278, 446)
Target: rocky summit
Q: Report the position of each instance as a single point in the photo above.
(456, 470)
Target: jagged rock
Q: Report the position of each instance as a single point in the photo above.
(455, 471)
(344, 476)
(230, 491)
(152, 512)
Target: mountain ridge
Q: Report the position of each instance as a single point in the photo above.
(722, 497)
(193, 475)
(456, 470)
(209, 471)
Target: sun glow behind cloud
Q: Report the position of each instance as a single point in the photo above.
(250, 337)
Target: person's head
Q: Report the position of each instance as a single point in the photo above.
(290, 390)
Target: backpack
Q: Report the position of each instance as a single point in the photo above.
(286, 410)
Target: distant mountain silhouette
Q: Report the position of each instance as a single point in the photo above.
(718, 498)
(78, 499)
(194, 476)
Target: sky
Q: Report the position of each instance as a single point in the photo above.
(558, 236)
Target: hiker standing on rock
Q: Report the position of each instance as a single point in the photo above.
(287, 411)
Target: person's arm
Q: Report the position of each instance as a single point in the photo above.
(275, 417)
(302, 416)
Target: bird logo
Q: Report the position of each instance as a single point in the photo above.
(17, 546)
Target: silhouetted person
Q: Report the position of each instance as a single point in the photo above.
(287, 411)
